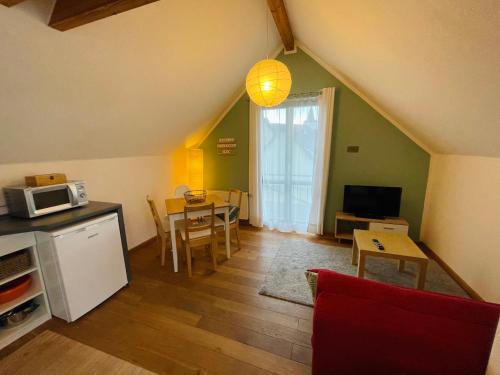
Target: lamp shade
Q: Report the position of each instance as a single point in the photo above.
(268, 83)
(195, 168)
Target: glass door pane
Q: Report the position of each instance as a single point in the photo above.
(288, 153)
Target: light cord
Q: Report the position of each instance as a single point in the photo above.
(267, 33)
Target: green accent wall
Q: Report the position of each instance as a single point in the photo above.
(386, 156)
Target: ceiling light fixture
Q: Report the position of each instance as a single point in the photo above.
(269, 81)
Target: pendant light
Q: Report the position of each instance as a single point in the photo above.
(269, 81)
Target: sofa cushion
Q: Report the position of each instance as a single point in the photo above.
(365, 327)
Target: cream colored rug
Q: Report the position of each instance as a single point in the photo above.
(51, 353)
(285, 278)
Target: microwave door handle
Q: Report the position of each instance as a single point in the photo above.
(74, 193)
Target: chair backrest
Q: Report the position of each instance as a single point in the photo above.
(180, 190)
(159, 225)
(235, 199)
(201, 223)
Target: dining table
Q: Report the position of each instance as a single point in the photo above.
(175, 212)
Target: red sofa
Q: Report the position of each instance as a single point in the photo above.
(366, 327)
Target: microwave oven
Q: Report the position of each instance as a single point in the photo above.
(29, 202)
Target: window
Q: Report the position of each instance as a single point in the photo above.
(288, 152)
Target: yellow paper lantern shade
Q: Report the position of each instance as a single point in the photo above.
(195, 168)
(268, 83)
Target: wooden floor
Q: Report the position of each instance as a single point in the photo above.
(214, 323)
(57, 354)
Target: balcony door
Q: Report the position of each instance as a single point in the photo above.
(288, 151)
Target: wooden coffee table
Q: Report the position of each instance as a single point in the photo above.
(397, 246)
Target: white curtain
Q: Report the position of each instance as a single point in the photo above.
(322, 161)
(288, 142)
(254, 158)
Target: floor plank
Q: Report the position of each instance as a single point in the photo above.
(56, 354)
(305, 325)
(302, 354)
(247, 274)
(247, 336)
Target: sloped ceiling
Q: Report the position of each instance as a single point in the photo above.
(135, 84)
(433, 65)
(141, 82)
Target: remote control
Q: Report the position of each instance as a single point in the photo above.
(378, 244)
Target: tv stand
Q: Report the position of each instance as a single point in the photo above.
(371, 217)
(346, 223)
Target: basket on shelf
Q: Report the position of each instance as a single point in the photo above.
(195, 196)
(14, 263)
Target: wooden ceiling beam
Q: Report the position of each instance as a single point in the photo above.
(278, 11)
(68, 14)
(9, 3)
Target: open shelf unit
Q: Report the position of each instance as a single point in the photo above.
(346, 223)
(36, 291)
(17, 275)
(39, 316)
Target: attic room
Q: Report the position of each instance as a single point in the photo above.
(249, 186)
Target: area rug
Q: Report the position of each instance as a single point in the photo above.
(285, 278)
(51, 353)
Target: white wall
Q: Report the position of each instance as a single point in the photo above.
(141, 81)
(120, 180)
(461, 223)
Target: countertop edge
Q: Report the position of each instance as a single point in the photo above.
(11, 225)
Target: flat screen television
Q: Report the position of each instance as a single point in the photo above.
(372, 201)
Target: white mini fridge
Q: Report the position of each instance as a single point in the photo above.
(82, 265)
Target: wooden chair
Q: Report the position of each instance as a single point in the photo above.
(162, 228)
(199, 231)
(234, 198)
(162, 233)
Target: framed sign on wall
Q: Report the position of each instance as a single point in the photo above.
(226, 146)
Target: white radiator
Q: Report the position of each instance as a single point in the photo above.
(244, 201)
